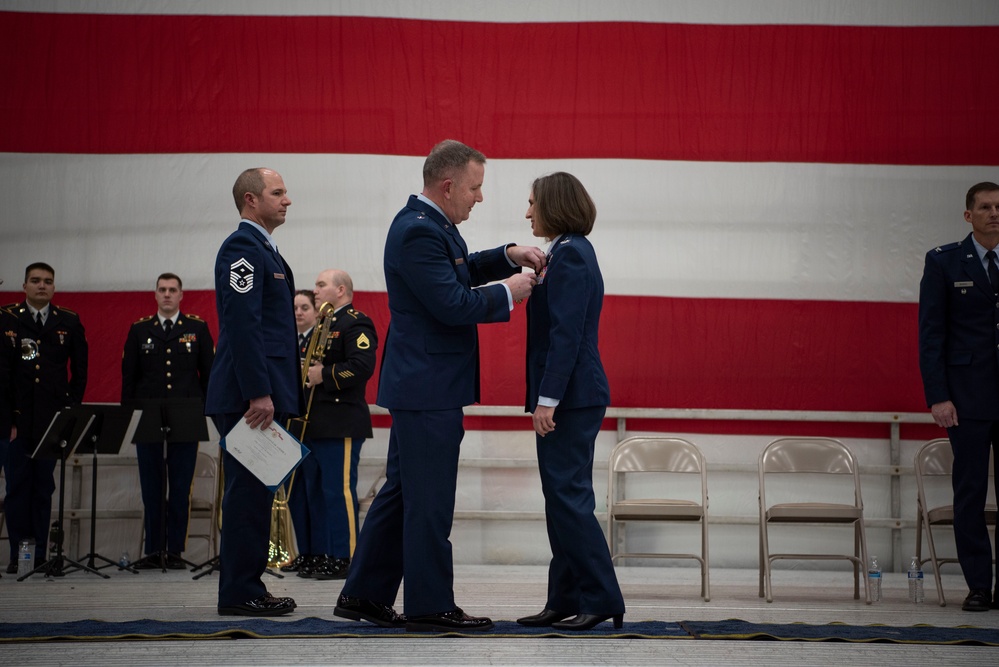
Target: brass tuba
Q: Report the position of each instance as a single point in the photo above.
(281, 550)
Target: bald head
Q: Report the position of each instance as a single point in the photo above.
(335, 287)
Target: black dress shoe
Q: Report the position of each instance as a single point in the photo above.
(331, 568)
(265, 605)
(290, 601)
(544, 619)
(588, 622)
(977, 601)
(357, 609)
(305, 567)
(175, 562)
(12, 567)
(147, 563)
(448, 621)
(296, 564)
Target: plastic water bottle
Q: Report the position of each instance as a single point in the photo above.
(874, 579)
(915, 581)
(124, 560)
(25, 558)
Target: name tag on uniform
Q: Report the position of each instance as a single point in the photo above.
(279, 276)
(964, 283)
(460, 260)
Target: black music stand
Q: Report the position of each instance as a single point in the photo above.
(168, 420)
(107, 433)
(58, 443)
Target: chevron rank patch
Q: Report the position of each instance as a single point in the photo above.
(241, 276)
(363, 343)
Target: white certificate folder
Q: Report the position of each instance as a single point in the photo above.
(271, 453)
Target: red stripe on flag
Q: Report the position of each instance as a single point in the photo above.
(788, 93)
(658, 352)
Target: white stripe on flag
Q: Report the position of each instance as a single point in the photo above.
(688, 229)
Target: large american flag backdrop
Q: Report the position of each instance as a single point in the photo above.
(768, 175)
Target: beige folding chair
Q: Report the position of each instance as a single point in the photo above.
(206, 494)
(666, 456)
(933, 464)
(205, 497)
(819, 459)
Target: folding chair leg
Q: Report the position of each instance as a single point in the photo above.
(933, 558)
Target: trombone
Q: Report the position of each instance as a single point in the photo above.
(281, 550)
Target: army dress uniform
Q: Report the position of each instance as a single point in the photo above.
(9, 353)
(339, 422)
(50, 375)
(160, 364)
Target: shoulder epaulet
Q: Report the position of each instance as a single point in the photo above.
(63, 309)
(353, 312)
(948, 247)
(10, 306)
(191, 316)
(144, 319)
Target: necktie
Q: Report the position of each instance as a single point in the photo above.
(167, 326)
(38, 315)
(993, 270)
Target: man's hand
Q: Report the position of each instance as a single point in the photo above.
(525, 255)
(315, 375)
(261, 412)
(543, 422)
(520, 285)
(944, 414)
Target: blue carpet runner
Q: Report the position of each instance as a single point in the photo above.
(147, 629)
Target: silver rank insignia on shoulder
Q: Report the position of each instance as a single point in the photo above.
(241, 276)
(363, 343)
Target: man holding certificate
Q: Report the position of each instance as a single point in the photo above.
(255, 378)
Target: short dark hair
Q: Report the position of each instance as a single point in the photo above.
(446, 159)
(170, 276)
(562, 205)
(251, 180)
(38, 265)
(307, 293)
(984, 186)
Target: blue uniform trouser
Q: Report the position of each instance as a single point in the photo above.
(581, 577)
(180, 461)
(246, 523)
(308, 514)
(332, 492)
(971, 442)
(28, 505)
(406, 531)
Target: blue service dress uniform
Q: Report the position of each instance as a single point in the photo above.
(257, 355)
(959, 362)
(54, 379)
(429, 371)
(563, 363)
(157, 364)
